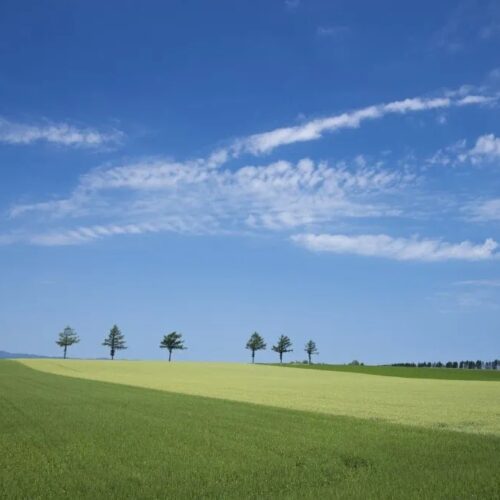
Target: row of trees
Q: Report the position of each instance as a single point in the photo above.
(115, 340)
(284, 345)
(471, 365)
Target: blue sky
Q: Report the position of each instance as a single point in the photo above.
(325, 170)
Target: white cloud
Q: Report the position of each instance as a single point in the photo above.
(268, 141)
(382, 245)
(476, 99)
(85, 234)
(486, 147)
(486, 210)
(57, 208)
(450, 155)
(277, 196)
(62, 134)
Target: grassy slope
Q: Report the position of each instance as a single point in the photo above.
(78, 438)
(407, 372)
(458, 405)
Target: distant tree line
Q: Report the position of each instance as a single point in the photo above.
(115, 341)
(470, 365)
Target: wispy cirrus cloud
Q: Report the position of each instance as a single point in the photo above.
(86, 234)
(485, 150)
(466, 295)
(483, 210)
(403, 249)
(158, 194)
(62, 134)
(279, 196)
(266, 142)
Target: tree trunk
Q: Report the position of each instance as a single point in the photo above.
(309, 354)
(169, 355)
(253, 357)
(112, 354)
(281, 357)
(65, 348)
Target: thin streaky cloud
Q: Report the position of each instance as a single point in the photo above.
(86, 234)
(479, 283)
(307, 196)
(62, 134)
(402, 249)
(483, 210)
(266, 142)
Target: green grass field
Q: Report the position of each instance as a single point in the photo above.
(406, 372)
(69, 436)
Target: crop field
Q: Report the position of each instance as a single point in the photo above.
(123, 429)
(407, 372)
(423, 402)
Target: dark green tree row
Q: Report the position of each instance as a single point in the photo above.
(471, 365)
(115, 340)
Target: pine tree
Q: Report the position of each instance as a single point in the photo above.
(311, 349)
(115, 341)
(172, 341)
(283, 345)
(66, 338)
(255, 343)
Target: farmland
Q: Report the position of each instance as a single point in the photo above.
(429, 403)
(407, 372)
(147, 429)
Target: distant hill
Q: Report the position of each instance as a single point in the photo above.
(12, 355)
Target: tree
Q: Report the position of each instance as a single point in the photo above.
(66, 338)
(283, 345)
(311, 349)
(115, 341)
(255, 343)
(172, 341)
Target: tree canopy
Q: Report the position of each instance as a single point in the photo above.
(67, 338)
(173, 341)
(283, 345)
(115, 341)
(310, 349)
(255, 343)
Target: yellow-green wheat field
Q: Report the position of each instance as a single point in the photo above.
(470, 406)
